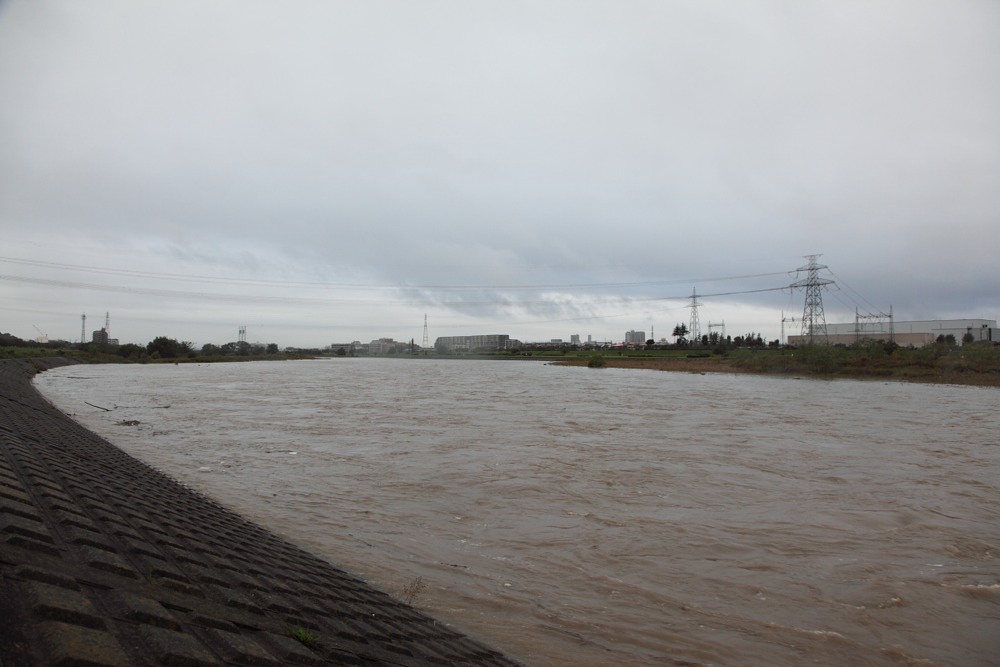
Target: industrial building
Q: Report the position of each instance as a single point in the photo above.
(915, 333)
(486, 342)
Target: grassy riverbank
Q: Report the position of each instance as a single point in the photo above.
(976, 365)
(969, 365)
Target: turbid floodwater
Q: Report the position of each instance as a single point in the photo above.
(574, 516)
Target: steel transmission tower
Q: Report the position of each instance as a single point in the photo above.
(694, 330)
(427, 342)
(783, 320)
(872, 324)
(813, 318)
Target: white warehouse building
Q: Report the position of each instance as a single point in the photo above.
(915, 333)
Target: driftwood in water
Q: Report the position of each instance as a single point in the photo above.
(98, 407)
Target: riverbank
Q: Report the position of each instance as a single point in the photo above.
(971, 365)
(963, 366)
(106, 561)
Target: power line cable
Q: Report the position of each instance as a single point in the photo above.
(299, 284)
(861, 296)
(849, 306)
(149, 291)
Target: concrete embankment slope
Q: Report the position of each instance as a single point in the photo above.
(106, 561)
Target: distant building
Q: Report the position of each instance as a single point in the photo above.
(915, 333)
(354, 348)
(485, 343)
(635, 337)
(574, 339)
(382, 346)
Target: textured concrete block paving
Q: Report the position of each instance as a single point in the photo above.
(105, 562)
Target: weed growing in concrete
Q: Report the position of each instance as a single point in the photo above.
(303, 636)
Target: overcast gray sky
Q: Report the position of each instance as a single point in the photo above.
(327, 171)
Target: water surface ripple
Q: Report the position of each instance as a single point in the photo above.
(574, 516)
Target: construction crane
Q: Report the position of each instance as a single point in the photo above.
(42, 336)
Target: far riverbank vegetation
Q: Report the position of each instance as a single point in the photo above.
(943, 361)
(160, 349)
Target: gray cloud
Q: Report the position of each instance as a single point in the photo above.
(430, 148)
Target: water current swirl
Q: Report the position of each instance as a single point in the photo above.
(573, 516)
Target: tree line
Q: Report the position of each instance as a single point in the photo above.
(716, 340)
(161, 347)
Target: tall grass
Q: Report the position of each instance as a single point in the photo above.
(934, 362)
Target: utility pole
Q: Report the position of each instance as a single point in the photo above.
(813, 318)
(783, 320)
(718, 325)
(877, 325)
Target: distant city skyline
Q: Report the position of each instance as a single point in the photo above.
(791, 326)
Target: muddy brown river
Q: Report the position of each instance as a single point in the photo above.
(575, 516)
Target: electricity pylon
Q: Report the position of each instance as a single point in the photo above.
(813, 318)
(694, 331)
